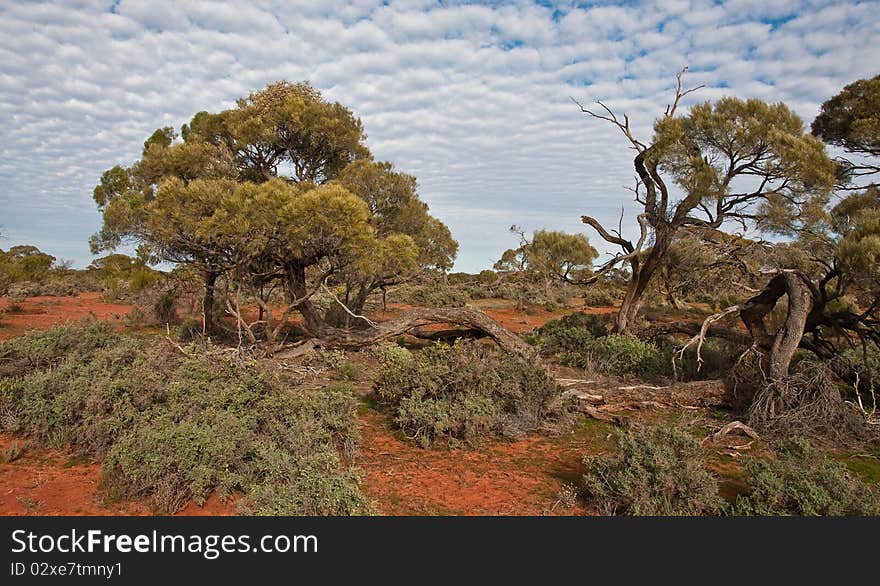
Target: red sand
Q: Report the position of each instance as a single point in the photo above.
(45, 312)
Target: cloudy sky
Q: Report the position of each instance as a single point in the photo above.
(471, 98)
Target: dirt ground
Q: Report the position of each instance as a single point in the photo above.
(45, 312)
(526, 477)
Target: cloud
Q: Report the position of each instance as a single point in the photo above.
(473, 99)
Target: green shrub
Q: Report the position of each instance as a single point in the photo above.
(432, 295)
(719, 357)
(599, 297)
(459, 394)
(660, 470)
(174, 428)
(621, 354)
(348, 371)
(569, 333)
(41, 349)
(800, 481)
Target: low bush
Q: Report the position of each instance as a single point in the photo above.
(800, 481)
(570, 333)
(190, 330)
(621, 354)
(660, 470)
(173, 428)
(718, 358)
(599, 297)
(432, 295)
(459, 394)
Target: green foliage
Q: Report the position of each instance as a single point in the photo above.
(24, 264)
(171, 428)
(123, 277)
(621, 354)
(850, 120)
(659, 470)
(549, 254)
(800, 481)
(216, 200)
(348, 371)
(569, 333)
(600, 297)
(189, 330)
(459, 394)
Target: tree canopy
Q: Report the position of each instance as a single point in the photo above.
(850, 120)
(733, 160)
(280, 188)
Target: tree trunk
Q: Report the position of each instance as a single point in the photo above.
(642, 272)
(781, 346)
(208, 302)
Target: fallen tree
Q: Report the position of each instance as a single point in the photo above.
(325, 336)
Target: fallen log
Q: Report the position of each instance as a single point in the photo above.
(472, 319)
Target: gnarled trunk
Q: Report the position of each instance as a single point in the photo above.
(643, 271)
(781, 345)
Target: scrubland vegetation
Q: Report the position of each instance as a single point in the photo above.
(289, 305)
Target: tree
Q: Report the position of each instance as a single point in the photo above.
(286, 130)
(704, 264)
(549, 254)
(280, 191)
(850, 120)
(732, 161)
(24, 263)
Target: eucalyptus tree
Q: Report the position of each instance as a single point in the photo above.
(732, 161)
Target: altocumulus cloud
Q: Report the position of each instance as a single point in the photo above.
(471, 98)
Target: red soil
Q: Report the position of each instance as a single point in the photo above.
(502, 478)
(45, 312)
(54, 482)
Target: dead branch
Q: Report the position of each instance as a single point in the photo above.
(700, 338)
(735, 426)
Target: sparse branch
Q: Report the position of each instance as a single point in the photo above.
(611, 117)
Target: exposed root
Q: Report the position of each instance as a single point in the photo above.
(807, 403)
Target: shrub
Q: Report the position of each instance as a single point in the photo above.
(621, 354)
(719, 357)
(800, 481)
(13, 452)
(660, 470)
(153, 306)
(173, 428)
(569, 333)
(459, 394)
(433, 295)
(599, 297)
(348, 371)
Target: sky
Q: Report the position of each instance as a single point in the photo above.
(474, 99)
